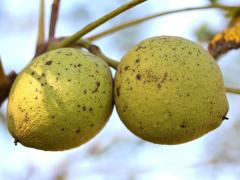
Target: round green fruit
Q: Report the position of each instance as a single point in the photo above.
(169, 90)
(61, 100)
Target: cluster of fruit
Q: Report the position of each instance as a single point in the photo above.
(167, 90)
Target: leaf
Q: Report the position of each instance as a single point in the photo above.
(224, 41)
(204, 33)
(213, 1)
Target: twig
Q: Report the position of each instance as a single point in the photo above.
(144, 19)
(53, 20)
(5, 83)
(3, 79)
(94, 49)
(95, 24)
(232, 90)
(41, 27)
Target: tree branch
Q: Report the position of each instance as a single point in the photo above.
(41, 27)
(232, 90)
(146, 18)
(95, 24)
(5, 83)
(3, 79)
(53, 20)
(94, 49)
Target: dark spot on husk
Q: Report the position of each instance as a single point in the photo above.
(48, 63)
(118, 90)
(77, 131)
(68, 54)
(126, 68)
(141, 47)
(26, 117)
(125, 108)
(183, 125)
(97, 87)
(138, 76)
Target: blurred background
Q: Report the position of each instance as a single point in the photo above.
(115, 153)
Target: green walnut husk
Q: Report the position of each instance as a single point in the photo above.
(169, 90)
(61, 100)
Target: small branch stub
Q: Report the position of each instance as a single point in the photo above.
(15, 142)
(232, 90)
(94, 49)
(225, 118)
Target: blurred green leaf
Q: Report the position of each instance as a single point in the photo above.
(213, 1)
(204, 33)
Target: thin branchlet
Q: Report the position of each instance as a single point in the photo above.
(149, 17)
(41, 27)
(95, 24)
(53, 19)
(94, 49)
